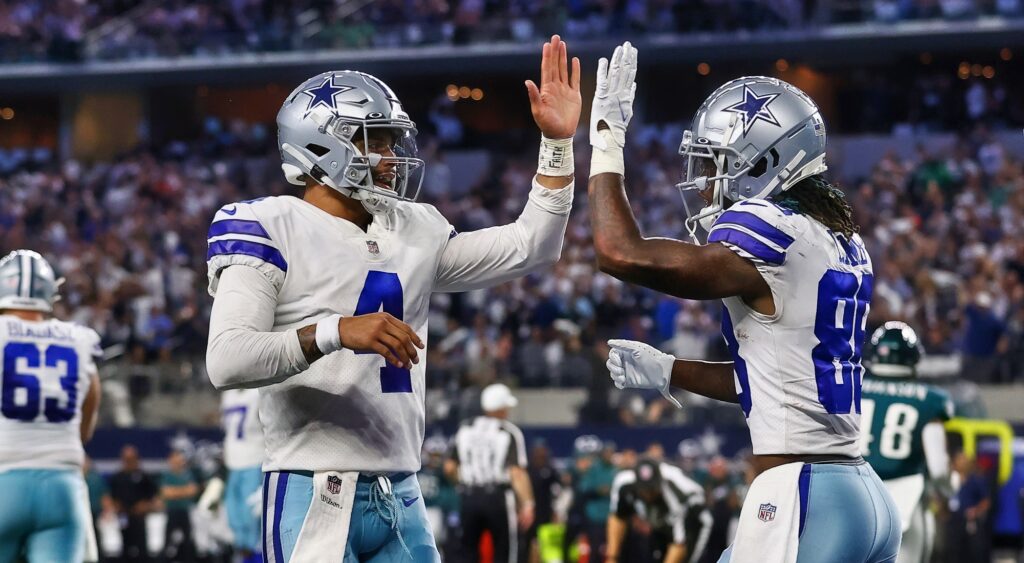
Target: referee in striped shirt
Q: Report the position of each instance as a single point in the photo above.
(489, 458)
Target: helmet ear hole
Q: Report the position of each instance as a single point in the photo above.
(318, 150)
(760, 167)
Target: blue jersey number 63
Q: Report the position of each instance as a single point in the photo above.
(383, 291)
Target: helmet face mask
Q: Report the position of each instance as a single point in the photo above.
(753, 137)
(322, 125)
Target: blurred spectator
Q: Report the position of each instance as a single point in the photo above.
(100, 503)
(969, 526)
(983, 338)
(135, 495)
(178, 490)
(721, 488)
(547, 484)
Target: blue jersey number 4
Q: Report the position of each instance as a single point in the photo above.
(25, 406)
(383, 292)
(843, 302)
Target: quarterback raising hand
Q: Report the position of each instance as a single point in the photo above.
(557, 103)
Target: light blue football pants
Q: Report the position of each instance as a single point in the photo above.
(372, 535)
(43, 515)
(244, 521)
(847, 516)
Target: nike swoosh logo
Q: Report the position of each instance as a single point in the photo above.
(409, 501)
(231, 211)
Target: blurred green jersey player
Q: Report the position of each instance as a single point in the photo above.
(902, 433)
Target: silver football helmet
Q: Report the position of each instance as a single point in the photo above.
(753, 137)
(27, 282)
(316, 132)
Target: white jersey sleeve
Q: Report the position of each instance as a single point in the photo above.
(243, 432)
(798, 371)
(243, 349)
(241, 234)
(47, 369)
(497, 254)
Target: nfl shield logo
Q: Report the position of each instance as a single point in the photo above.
(371, 245)
(333, 484)
(766, 512)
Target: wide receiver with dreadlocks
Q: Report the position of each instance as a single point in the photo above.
(784, 256)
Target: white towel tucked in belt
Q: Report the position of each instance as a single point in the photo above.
(769, 526)
(324, 533)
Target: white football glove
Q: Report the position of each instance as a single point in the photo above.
(613, 100)
(635, 365)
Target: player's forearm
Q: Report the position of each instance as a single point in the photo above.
(710, 379)
(676, 553)
(670, 266)
(495, 255)
(521, 485)
(616, 532)
(242, 350)
(90, 410)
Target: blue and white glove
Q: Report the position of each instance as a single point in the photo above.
(635, 365)
(613, 104)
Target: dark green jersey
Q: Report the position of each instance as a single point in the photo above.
(893, 414)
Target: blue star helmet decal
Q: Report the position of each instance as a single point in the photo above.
(324, 94)
(754, 108)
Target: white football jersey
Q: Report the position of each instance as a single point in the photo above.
(243, 433)
(47, 370)
(798, 372)
(351, 411)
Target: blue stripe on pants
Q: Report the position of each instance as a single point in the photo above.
(266, 497)
(282, 485)
(805, 485)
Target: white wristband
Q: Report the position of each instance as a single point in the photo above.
(328, 337)
(555, 157)
(609, 159)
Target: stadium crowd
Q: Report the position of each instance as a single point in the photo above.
(72, 30)
(946, 232)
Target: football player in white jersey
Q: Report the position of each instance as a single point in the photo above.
(48, 406)
(243, 456)
(784, 256)
(321, 303)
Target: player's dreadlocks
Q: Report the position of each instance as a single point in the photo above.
(817, 198)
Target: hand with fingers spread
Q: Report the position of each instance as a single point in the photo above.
(635, 365)
(613, 100)
(556, 105)
(383, 334)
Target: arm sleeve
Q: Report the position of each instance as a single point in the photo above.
(933, 438)
(491, 256)
(243, 351)
(516, 456)
(620, 507)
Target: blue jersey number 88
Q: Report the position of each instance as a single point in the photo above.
(843, 302)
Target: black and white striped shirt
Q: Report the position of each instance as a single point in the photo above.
(485, 448)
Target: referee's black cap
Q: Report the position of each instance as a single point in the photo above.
(648, 476)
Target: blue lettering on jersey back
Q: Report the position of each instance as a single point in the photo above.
(12, 380)
(739, 364)
(383, 291)
(851, 252)
(843, 302)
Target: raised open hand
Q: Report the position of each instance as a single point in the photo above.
(557, 103)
